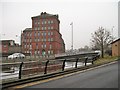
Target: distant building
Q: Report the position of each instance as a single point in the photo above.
(9, 47)
(44, 37)
(116, 47)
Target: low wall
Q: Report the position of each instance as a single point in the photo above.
(40, 69)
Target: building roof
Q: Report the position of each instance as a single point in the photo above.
(5, 41)
(115, 40)
(27, 30)
(44, 15)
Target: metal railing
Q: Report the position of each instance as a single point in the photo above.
(19, 70)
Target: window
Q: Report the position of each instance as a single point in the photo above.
(38, 28)
(48, 28)
(51, 39)
(38, 33)
(48, 52)
(35, 22)
(51, 51)
(35, 52)
(48, 39)
(24, 46)
(27, 46)
(35, 28)
(38, 22)
(48, 22)
(50, 46)
(35, 34)
(30, 40)
(38, 39)
(44, 39)
(48, 33)
(42, 22)
(42, 46)
(30, 46)
(52, 27)
(44, 28)
(38, 52)
(51, 21)
(44, 33)
(45, 22)
(51, 33)
(35, 40)
(30, 34)
(4, 46)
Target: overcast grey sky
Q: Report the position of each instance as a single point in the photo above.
(86, 16)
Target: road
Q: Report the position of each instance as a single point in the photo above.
(103, 77)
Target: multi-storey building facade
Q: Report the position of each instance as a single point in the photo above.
(44, 37)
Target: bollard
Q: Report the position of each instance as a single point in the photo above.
(86, 61)
(76, 62)
(46, 67)
(63, 65)
(20, 70)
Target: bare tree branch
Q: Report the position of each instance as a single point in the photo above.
(101, 39)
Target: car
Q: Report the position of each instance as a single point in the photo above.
(16, 55)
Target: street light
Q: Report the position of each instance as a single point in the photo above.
(112, 33)
(72, 36)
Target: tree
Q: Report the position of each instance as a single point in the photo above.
(101, 39)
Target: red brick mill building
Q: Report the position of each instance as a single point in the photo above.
(44, 37)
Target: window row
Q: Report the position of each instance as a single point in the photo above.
(37, 47)
(38, 39)
(43, 22)
(38, 52)
(44, 28)
(43, 33)
(27, 34)
(38, 34)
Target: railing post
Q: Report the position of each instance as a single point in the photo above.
(46, 67)
(86, 61)
(63, 65)
(20, 70)
(76, 62)
(93, 60)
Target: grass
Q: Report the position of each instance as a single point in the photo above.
(106, 59)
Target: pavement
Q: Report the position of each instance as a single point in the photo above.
(105, 76)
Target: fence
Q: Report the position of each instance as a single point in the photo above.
(19, 70)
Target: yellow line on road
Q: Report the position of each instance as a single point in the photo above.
(41, 81)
